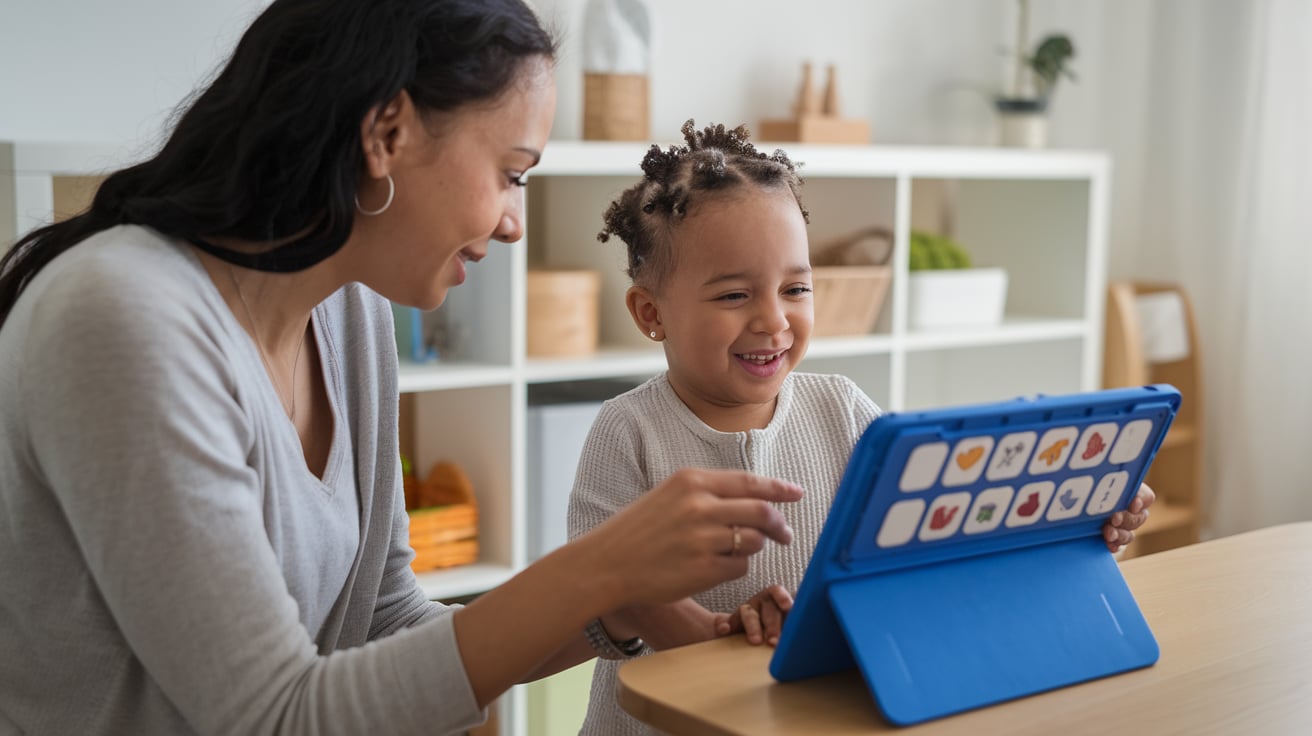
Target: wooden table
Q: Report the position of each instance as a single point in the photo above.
(1233, 617)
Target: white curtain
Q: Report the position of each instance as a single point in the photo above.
(1226, 209)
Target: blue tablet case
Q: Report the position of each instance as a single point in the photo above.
(962, 563)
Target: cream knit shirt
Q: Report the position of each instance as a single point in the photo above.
(643, 436)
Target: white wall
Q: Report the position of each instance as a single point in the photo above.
(920, 70)
(85, 70)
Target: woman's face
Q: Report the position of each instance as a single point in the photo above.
(459, 184)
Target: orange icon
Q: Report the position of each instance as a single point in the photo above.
(969, 457)
(1053, 452)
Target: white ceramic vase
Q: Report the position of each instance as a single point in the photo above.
(1023, 129)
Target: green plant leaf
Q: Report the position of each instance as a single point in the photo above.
(935, 252)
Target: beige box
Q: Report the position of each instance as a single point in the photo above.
(816, 129)
(562, 313)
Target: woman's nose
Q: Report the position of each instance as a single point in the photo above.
(511, 227)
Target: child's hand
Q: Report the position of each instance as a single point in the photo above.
(1119, 529)
(761, 618)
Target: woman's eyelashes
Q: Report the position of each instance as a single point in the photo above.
(517, 178)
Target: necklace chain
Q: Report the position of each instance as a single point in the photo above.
(268, 364)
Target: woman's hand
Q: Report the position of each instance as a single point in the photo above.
(1119, 529)
(761, 617)
(690, 533)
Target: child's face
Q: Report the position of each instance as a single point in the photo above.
(736, 310)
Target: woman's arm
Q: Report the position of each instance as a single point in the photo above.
(664, 547)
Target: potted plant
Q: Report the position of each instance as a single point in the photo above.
(1022, 112)
(946, 291)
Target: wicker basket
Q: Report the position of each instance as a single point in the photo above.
(848, 298)
(562, 313)
(615, 107)
(444, 527)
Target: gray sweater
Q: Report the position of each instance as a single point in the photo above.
(168, 563)
(642, 437)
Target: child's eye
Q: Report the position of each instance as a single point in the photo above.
(798, 291)
(735, 296)
(518, 179)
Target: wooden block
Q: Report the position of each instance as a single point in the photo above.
(816, 129)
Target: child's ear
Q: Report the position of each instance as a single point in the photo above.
(642, 307)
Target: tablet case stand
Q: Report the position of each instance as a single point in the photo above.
(940, 626)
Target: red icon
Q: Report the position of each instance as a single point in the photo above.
(943, 516)
(1096, 446)
(1030, 506)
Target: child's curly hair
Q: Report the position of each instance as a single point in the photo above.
(715, 160)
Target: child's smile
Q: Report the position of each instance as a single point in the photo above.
(763, 365)
(734, 313)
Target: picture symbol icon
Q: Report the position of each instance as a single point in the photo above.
(1067, 499)
(1096, 445)
(942, 517)
(1030, 506)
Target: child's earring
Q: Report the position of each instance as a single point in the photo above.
(653, 334)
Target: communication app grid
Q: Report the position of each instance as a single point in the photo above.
(946, 487)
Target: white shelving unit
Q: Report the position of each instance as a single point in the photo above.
(1040, 214)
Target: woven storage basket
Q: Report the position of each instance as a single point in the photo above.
(615, 107)
(848, 298)
(444, 527)
(562, 313)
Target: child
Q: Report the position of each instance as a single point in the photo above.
(718, 255)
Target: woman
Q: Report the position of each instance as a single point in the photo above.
(202, 528)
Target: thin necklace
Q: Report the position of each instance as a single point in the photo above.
(268, 364)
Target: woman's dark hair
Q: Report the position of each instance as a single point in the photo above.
(715, 161)
(273, 145)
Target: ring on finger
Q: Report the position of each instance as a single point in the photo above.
(737, 540)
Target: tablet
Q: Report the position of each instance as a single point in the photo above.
(962, 563)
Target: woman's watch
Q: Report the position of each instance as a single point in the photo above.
(608, 648)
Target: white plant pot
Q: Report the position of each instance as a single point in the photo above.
(957, 297)
(1023, 129)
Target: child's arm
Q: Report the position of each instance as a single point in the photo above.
(667, 626)
(686, 622)
(1119, 529)
(761, 618)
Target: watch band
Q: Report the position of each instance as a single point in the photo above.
(608, 648)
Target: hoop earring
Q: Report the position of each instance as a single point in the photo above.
(391, 192)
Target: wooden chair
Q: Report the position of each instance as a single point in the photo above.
(1176, 473)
